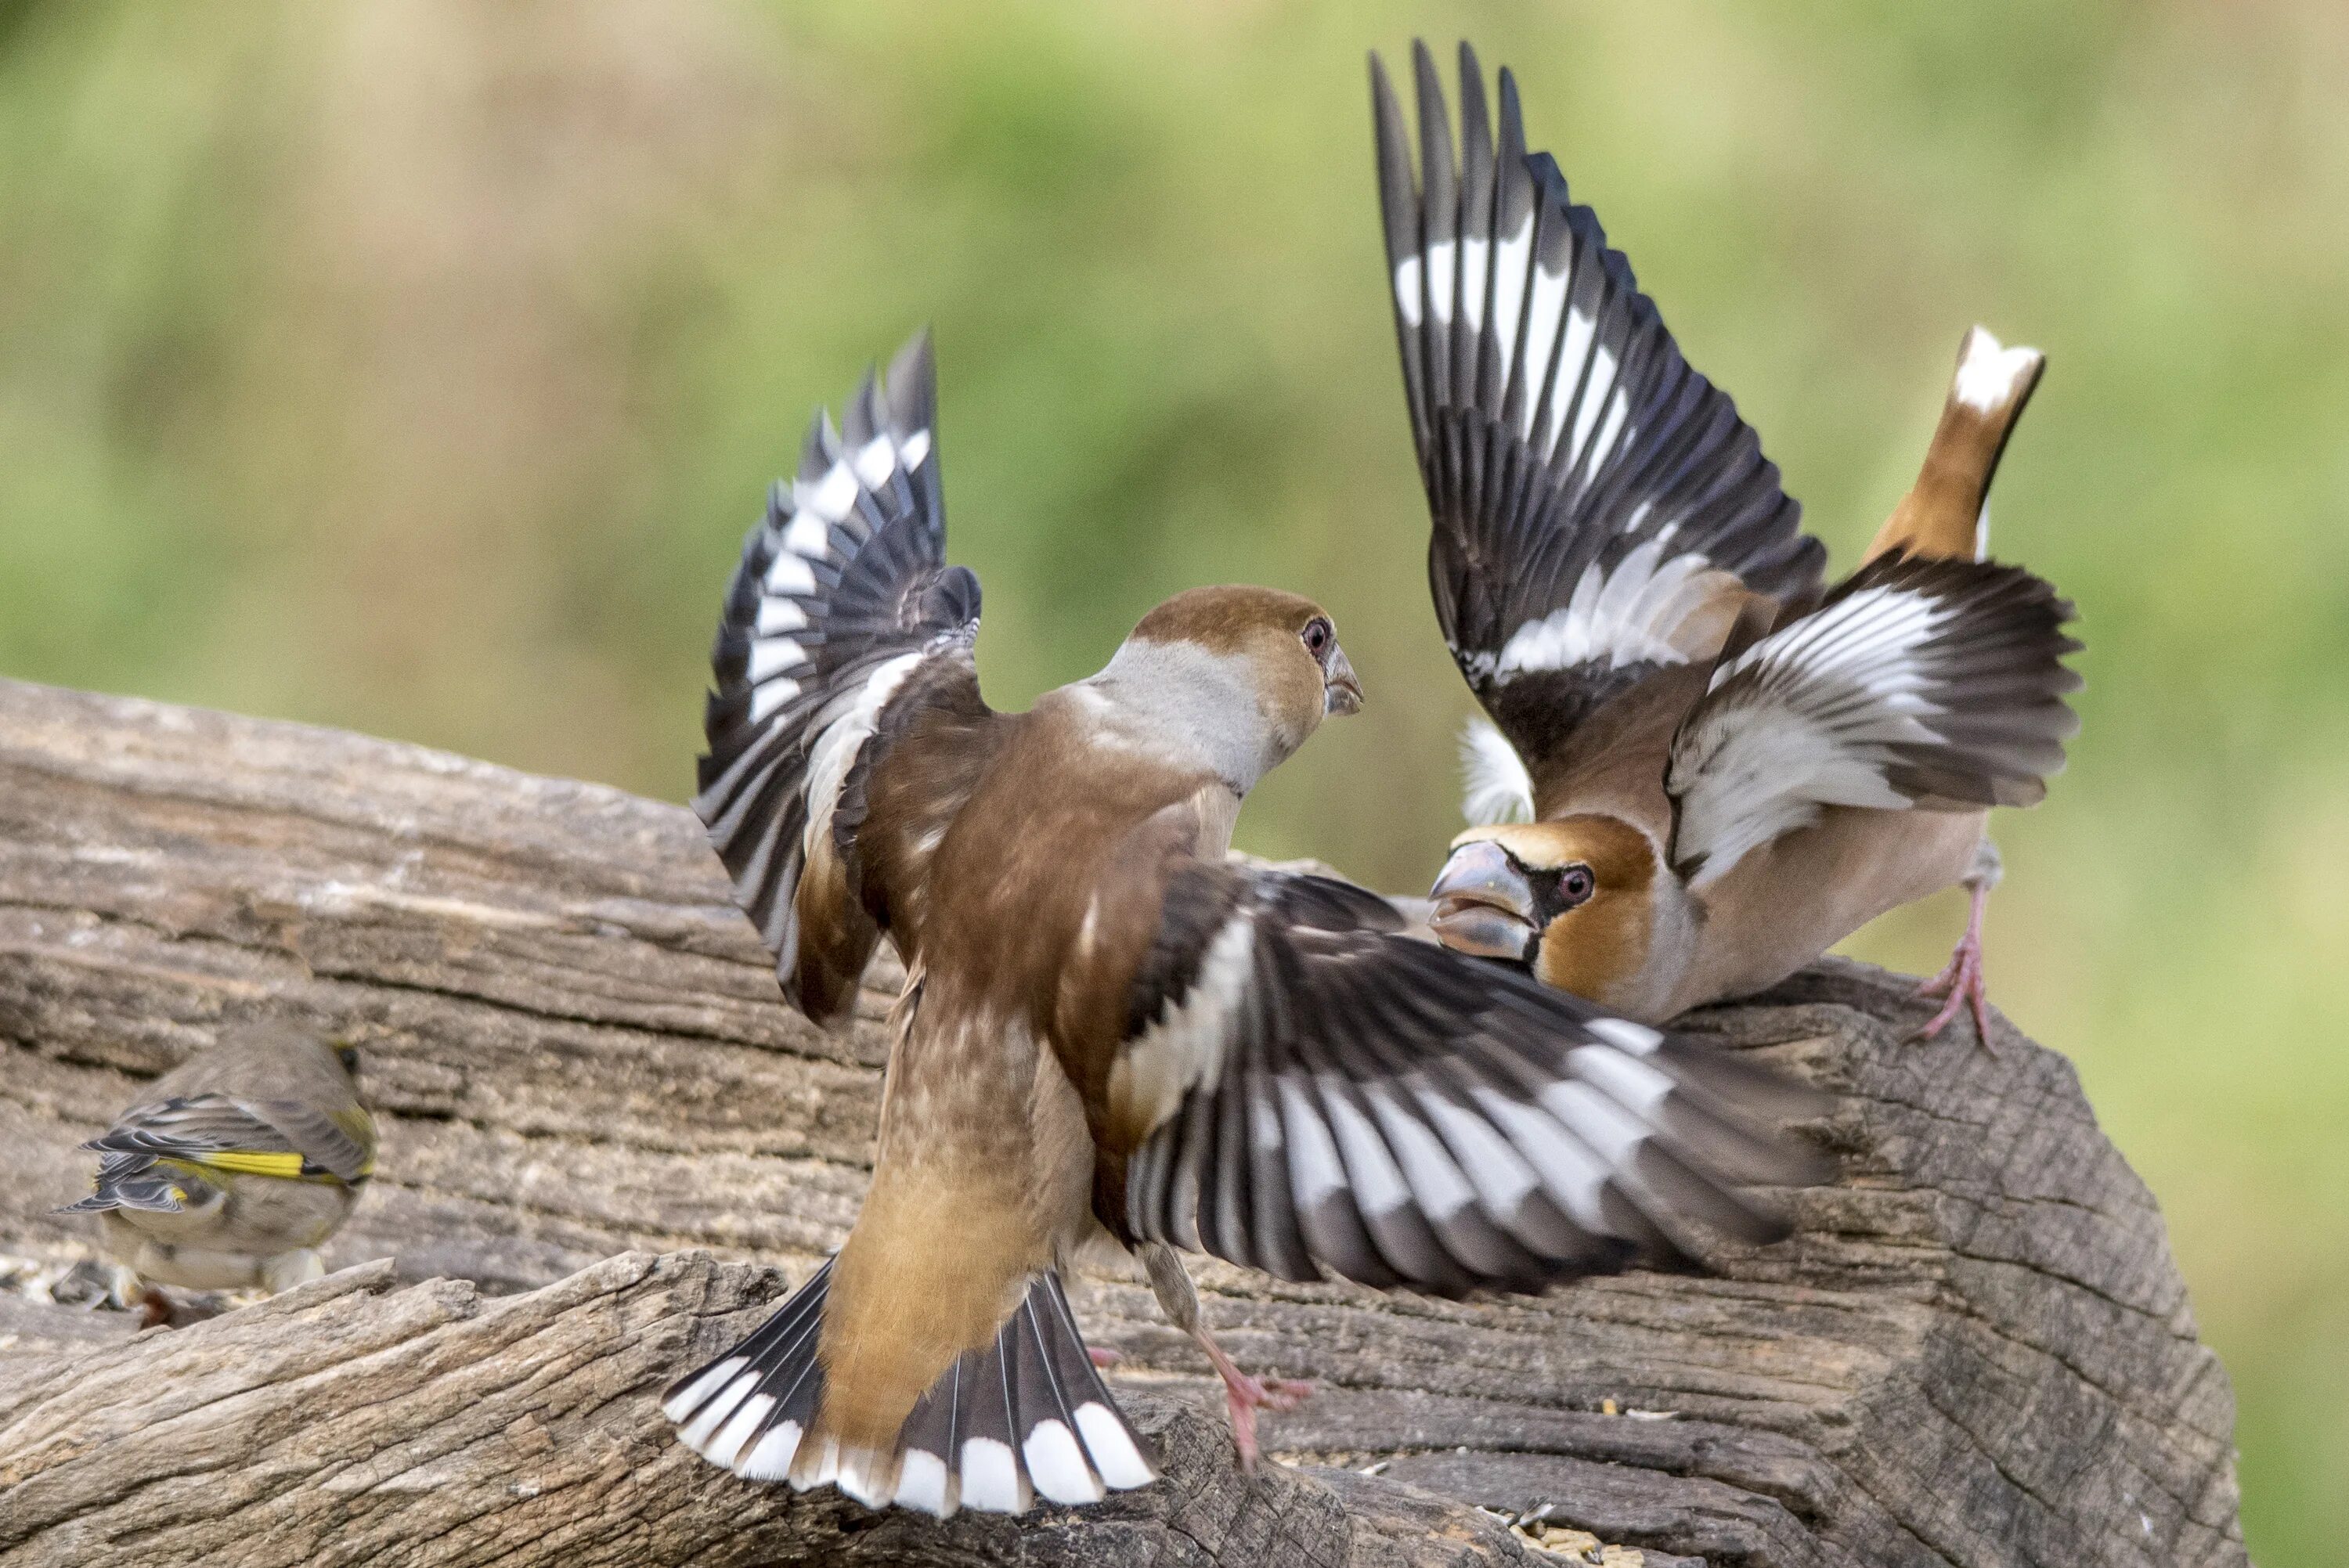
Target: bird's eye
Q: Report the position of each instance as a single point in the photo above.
(1318, 636)
(1576, 885)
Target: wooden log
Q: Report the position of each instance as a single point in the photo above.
(1975, 1350)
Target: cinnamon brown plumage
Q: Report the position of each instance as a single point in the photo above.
(1706, 768)
(1108, 1028)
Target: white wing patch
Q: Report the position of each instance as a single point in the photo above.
(1547, 304)
(1440, 257)
(1835, 691)
(1184, 1049)
(789, 574)
(1473, 253)
(1600, 394)
(779, 667)
(1496, 787)
(1509, 264)
(1637, 613)
(837, 746)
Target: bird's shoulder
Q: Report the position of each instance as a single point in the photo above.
(1614, 758)
(1050, 875)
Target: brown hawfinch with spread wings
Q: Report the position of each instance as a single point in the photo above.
(1108, 1030)
(1703, 768)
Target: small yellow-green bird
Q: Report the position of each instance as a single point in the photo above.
(237, 1166)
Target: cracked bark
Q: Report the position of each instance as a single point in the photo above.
(1976, 1350)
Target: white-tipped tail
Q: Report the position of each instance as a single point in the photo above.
(1023, 1417)
(1494, 786)
(1989, 375)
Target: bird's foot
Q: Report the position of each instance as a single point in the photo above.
(1960, 982)
(1244, 1396)
(1103, 1356)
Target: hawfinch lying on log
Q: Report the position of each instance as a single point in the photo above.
(1108, 1028)
(1701, 769)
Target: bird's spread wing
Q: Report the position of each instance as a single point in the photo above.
(1308, 1092)
(1597, 505)
(219, 1132)
(1916, 683)
(844, 658)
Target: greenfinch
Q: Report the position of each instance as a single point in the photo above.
(235, 1167)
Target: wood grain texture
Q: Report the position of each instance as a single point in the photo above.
(1976, 1350)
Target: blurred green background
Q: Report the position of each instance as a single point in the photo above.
(415, 367)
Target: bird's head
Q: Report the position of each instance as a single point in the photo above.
(1573, 900)
(1263, 666)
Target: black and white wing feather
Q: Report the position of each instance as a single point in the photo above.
(1332, 1098)
(1917, 683)
(1595, 502)
(844, 630)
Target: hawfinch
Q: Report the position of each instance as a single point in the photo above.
(1702, 770)
(237, 1166)
(1107, 1028)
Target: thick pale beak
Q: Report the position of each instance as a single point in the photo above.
(1342, 693)
(1484, 904)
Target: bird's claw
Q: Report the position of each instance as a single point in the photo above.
(1962, 984)
(1244, 1396)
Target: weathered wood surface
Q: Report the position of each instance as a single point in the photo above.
(1976, 1350)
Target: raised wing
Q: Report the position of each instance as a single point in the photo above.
(1917, 683)
(844, 655)
(1597, 505)
(1325, 1096)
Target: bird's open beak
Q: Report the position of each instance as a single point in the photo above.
(1484, 904)
(1342, 693)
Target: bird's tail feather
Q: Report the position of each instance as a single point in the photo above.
(749, 1408)
(1945, 516)
(1024, 1417)
(133, 1182)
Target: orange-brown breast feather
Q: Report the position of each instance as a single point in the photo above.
(1848, 867)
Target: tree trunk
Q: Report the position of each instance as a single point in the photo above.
(1976, 1350)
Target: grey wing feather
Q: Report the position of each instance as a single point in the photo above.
(194, 1124)
(216, 1123)
(320, 1141)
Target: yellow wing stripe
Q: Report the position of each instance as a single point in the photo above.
(249, 1163)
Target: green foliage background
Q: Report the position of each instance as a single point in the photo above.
(415, 367)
